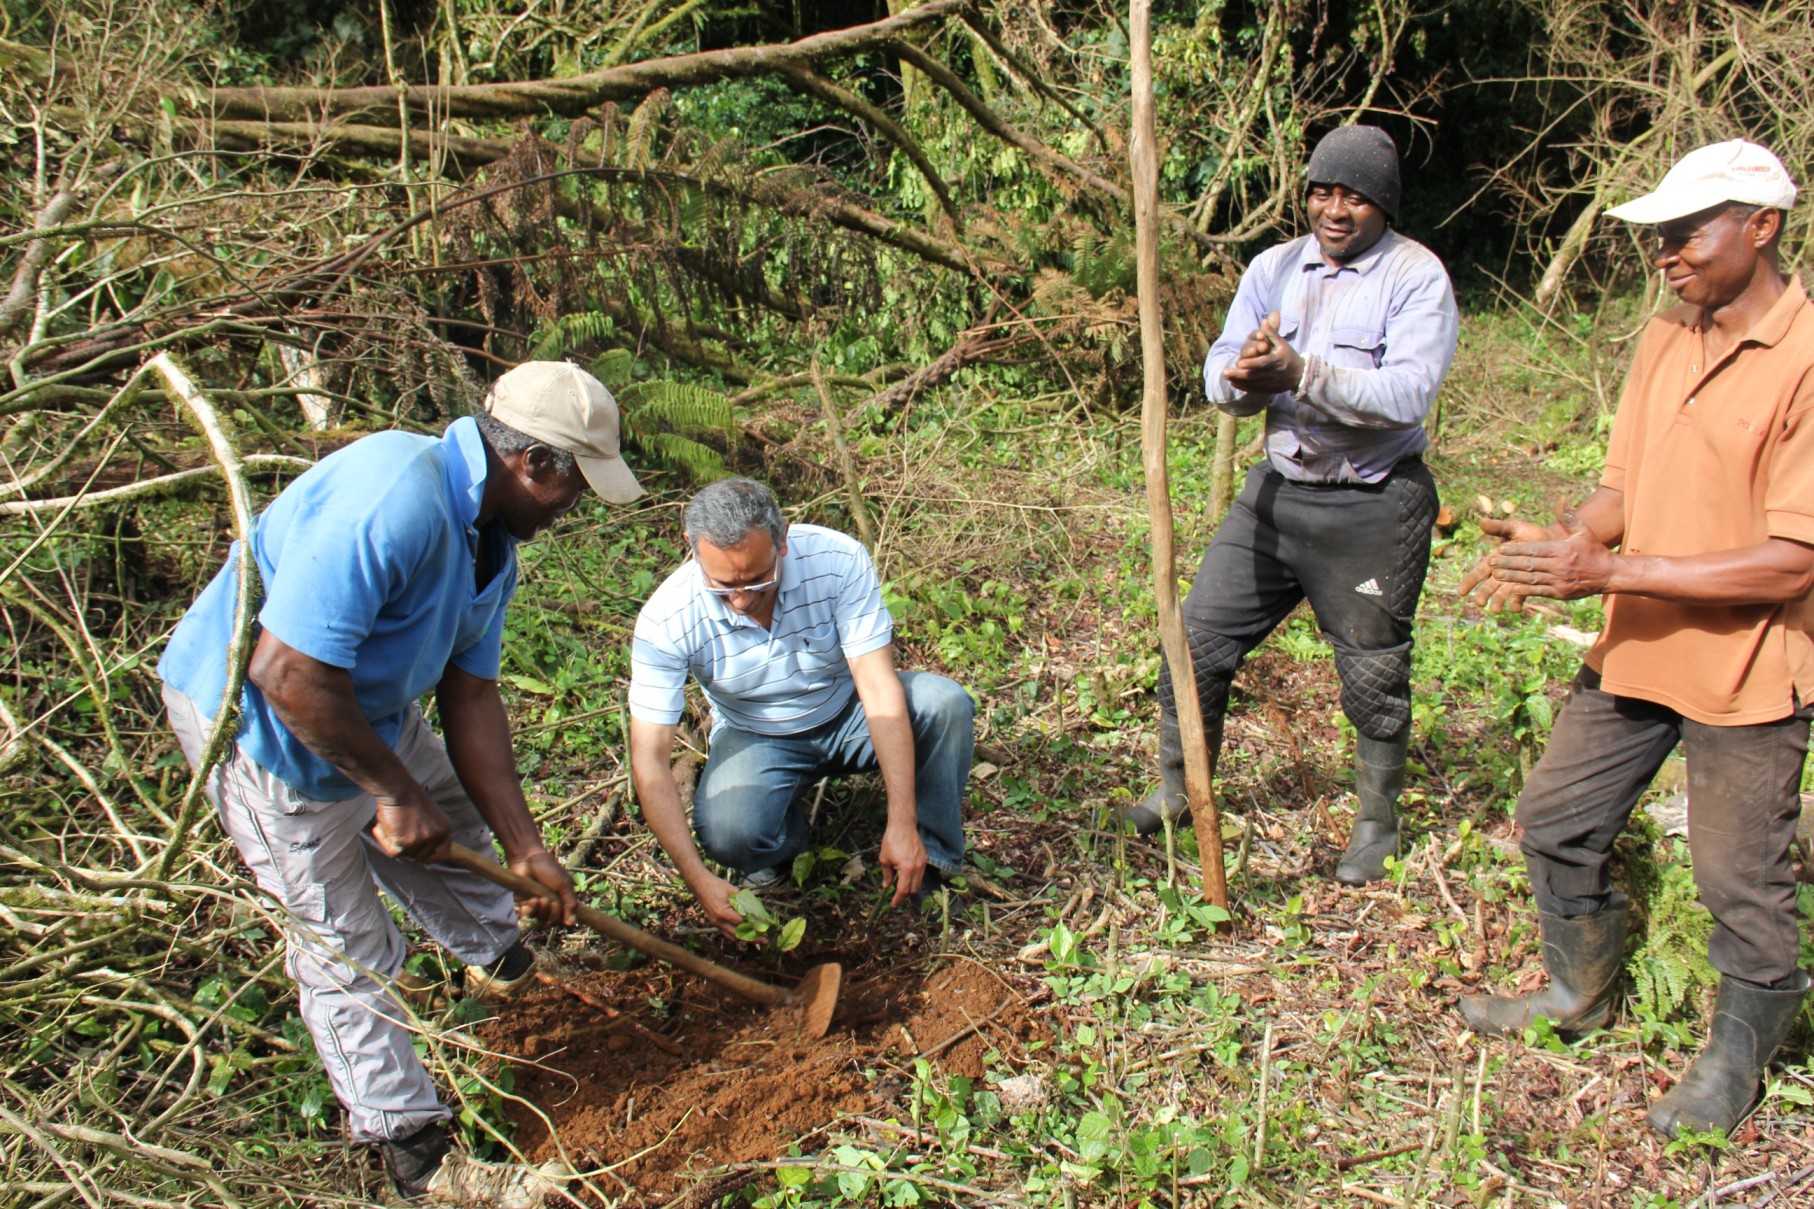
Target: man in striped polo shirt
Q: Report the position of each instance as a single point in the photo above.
(1342, 338)
(785, 630)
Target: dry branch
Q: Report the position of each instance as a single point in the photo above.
(1144, 156)
(247, 593)
(573, 97)
(147, 489)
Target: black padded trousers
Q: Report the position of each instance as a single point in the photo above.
(1357, 552)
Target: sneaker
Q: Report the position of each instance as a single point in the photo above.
(505, 978)
(761, 879)
(411, 1162)
(461, 1180)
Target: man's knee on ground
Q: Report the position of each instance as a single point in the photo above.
(1376, 689)
(733, 837)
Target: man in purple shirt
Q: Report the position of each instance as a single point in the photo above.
(1342, 337)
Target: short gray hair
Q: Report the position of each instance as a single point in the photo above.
(730, 510)
(505, 440)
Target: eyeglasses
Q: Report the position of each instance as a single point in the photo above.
(773, 581)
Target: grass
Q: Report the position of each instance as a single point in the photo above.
(1308, 1056)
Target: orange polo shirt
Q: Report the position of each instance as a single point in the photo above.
(1712, 457)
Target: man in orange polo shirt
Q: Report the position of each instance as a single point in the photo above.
(1701, 538)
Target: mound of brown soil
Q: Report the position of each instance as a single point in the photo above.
(661, 1076)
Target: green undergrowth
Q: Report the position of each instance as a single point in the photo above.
(1305, 1054)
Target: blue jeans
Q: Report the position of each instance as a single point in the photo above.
(749, 808)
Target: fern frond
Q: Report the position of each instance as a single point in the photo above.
(557, 339)
(678, 405)
(612, 367)
(701, 462)
(640, 138)
(716, 157)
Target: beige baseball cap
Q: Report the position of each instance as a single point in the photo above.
(565, 407)
(1733, 171)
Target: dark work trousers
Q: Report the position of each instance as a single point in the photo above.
(1357, 552)
(1743, 802)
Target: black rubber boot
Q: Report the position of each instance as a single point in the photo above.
(1168, 801)
(1379, 779)
(1583, 955)
(411, 1161)
(1721, 1087)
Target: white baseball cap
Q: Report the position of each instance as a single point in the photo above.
(1733, 171)
(566, 408)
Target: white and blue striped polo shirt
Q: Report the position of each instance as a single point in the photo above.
(785, 680)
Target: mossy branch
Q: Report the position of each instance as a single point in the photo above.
(248, 593)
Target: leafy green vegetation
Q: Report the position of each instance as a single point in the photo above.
(716, 249)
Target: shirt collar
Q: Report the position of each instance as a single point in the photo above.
(1312, 255)
(464, 463)
(1769, 330)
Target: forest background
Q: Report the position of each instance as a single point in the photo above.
(881, 256)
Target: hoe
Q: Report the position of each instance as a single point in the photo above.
(816, 997)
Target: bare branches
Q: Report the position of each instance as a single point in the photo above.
(18, 301)
(248, 592)
(567, 98)
(1630, 87)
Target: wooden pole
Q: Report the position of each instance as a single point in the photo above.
(1144, 160)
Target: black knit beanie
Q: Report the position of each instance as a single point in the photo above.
(1363, 159)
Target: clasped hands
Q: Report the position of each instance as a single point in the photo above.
(1564, 561)
(1266, 365)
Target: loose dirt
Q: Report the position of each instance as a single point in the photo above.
(684, 1079)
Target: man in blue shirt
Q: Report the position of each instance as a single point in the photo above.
(1342, 337)
(386, 570)
(785, 630)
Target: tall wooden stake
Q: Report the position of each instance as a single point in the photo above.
(1144, 158)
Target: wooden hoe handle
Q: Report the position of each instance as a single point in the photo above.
(742, 984)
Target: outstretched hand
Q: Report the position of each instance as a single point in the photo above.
(1567, 568)
(1537, 560)
(1488, 592)
(714, 895)
(1266, 364)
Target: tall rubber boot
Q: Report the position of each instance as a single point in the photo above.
(1583, 955)
(1168, 800)
(1749, 1022)
(1379, 779)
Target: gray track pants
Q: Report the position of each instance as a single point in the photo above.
(319, 862)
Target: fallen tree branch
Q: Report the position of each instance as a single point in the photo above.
(247, 591)
(572, 97)
(163, 485)
(814, 84)
(18, 301)
(970, 349)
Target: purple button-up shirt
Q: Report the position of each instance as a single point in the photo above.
(1377, 335)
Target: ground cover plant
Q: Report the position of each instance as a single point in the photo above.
(766, 269)
(1117, 1050)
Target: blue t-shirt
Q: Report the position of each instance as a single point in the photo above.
(367, 563)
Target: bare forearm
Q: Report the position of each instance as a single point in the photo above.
(1770, 572)
(661, 805)
(317, 704)
(477, 731)
(893, 741)
(1603, 512)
